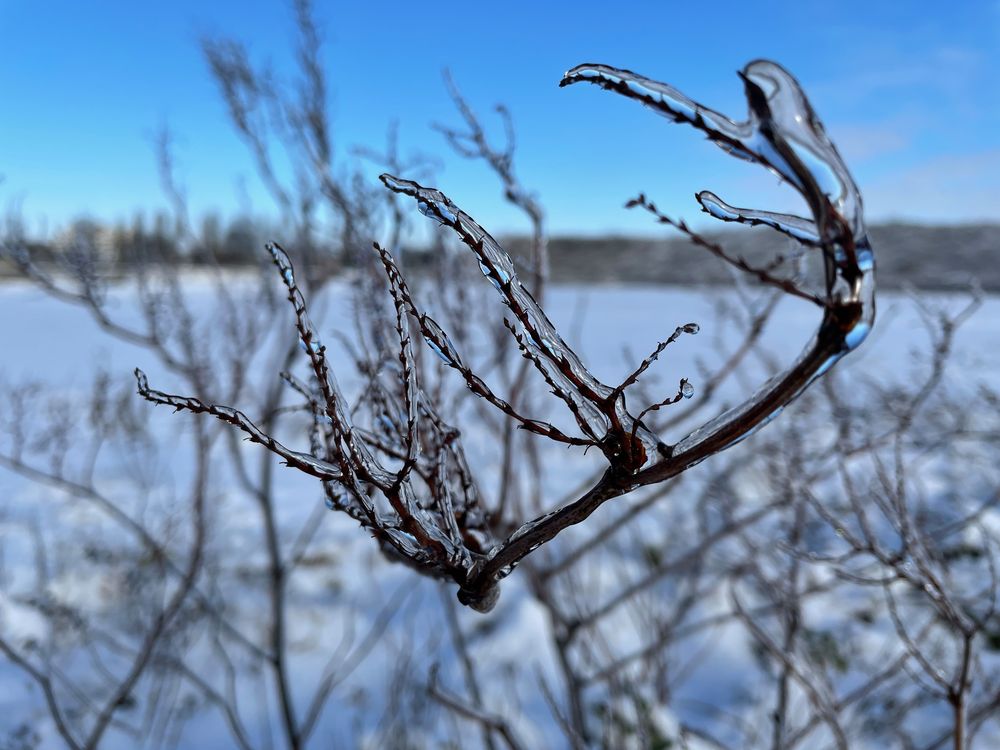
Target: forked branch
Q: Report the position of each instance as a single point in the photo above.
(412, 486)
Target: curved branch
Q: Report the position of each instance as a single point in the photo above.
(784, 135)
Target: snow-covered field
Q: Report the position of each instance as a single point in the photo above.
(345, 592)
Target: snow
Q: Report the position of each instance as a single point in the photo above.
(339, 592)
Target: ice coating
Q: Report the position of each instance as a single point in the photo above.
(305, 462)
(796, 227)
(662, 97)
(335, 403)
(782, 133)
(800, 152)
(437, 350)
(563, 365)
(440, 343)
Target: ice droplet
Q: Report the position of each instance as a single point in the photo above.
(854, 337)
(691, 328)
(687, 390)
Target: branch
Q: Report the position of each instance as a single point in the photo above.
(304, 462)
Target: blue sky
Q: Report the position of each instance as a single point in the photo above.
(912, 99)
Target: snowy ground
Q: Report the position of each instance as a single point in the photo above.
(55, 343)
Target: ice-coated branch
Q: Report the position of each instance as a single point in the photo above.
(601, 407)
(304, 462)
(406, 478)
(764, 275)
(798, 228)
(783, 134)
(441, 344)
(689, 328)
(362, 462)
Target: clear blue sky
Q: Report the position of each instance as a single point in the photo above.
(911, 96)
